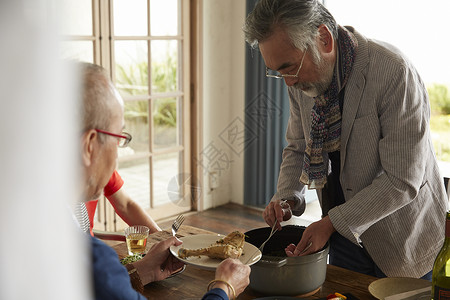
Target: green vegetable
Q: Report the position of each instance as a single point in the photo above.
(131, 259)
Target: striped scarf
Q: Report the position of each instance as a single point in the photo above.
(326, 119)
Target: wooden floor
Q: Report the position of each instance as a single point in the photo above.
(223, 219)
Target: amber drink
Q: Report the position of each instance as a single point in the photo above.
(136, 239)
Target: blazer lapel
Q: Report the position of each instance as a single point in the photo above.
(353, 93)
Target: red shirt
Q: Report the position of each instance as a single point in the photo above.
(114, 184)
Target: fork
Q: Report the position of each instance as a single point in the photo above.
(175, 226)
(177, 223)
(272, 232)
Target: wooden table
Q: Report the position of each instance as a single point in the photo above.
(191, 284)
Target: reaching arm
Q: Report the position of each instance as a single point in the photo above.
(288, 186)
(130, 211)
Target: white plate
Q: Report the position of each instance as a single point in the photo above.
(251, 254)
(384, 287)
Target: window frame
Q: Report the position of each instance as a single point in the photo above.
(103, 40)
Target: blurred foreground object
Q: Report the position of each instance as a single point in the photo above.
(40, 252)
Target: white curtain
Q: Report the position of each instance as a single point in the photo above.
(41, 254)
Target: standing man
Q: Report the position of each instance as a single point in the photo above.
(102, 125)
(359, 134)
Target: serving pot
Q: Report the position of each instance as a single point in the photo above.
(277, 275)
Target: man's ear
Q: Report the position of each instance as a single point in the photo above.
(325, 39)
(88, 141)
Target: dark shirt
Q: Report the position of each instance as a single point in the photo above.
(332, 190)
(111, 279)
(215, 294)
(334, 177)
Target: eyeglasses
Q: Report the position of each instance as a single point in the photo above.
(279, 76)
(124, 139)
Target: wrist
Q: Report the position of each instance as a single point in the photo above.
(135, 278)
(145, 272)
(220, 285)
(223, 285)
(327, 221)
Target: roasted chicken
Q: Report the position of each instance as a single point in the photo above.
(230, 246)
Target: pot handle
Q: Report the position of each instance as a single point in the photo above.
(273, 263)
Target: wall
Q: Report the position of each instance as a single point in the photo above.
(223, 100)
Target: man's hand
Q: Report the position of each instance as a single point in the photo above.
(235, 273)
(158, 263)
(315, 236)
(277, 211)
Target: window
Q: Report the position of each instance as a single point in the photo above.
(418, 29)
(145, 46)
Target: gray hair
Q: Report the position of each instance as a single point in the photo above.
(300, 19)
(97, 93)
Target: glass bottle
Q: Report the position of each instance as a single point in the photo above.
(440, 289)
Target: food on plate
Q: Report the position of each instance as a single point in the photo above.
(229, 246)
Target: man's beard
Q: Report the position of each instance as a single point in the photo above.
(314, 89)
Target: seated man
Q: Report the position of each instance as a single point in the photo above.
(102, 124)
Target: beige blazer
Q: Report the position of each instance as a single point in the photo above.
(395, 200)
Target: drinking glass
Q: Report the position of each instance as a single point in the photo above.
(136, 239)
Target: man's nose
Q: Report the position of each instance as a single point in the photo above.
(290, 81)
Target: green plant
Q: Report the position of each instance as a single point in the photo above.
(164, 75)
(136, 110)
(440, 127)
(165, 112)
(439, 99)
(440, 120)
(133, 80)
